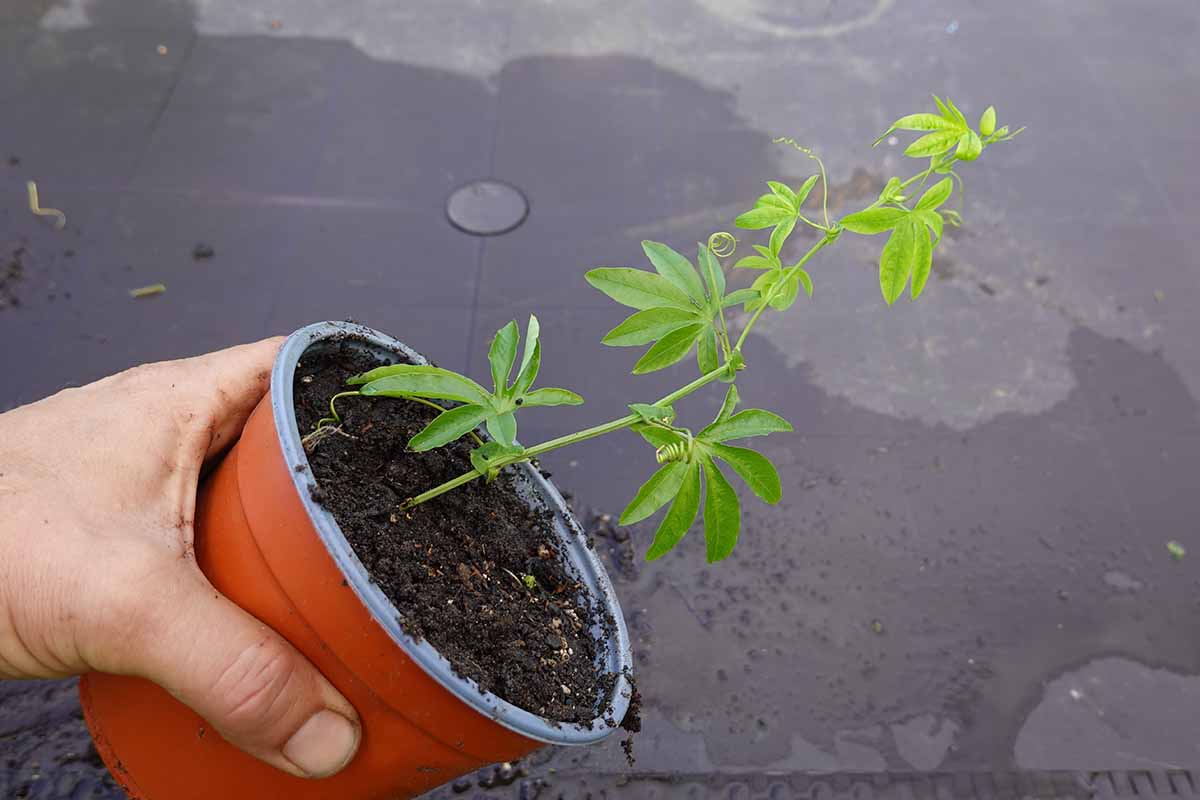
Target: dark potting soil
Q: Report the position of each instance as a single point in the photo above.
(453, 566)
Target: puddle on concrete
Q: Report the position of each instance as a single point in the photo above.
(1113, 713)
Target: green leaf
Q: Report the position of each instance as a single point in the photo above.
(782, 191)
(804, 190)
(646, 326)
(529, 371)
(932, 144)
(784, 299)
(780, 234)
(987, 122)
(551, 397)
(669, 349)
(675, 268)
(762, 286)
(920, 122)
(714, 276)
(891, 191)
(806, 281)
(638, 289)
(756, 262)
(422, 381)
(763, 217)
(525, 376)
(482, 458)
(751, 422)
(740, 296)
(680, 517)
(650, 413)
(969, 147)
(503, 427)
(936, 195)
(658, 437)
(873, 220)
(655, 493)
(730, 405)
(955, 114)
(754, 468)
(922, 258)
(895, 262)
(934, 220)
(706, 351)
(501, 356)
(722, 513)
(448, 426)
(773, 201)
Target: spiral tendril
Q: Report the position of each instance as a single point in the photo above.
(722, 244)
(675, 451)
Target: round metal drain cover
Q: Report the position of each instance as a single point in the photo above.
(487, 208)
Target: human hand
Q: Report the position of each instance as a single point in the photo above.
(97, 568)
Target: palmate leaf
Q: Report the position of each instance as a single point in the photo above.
(502, 428)
(655, 493)
(550, 397)
(873, 220)
(502, 355)
(435, 383)
(714, 276)
(706, 350)
(675, 268)
(908, 253)
(670, 349)
(652, 413)
(680, 516)
(935, 195)
(483, 458)
(722, 513)
(638, 289)
(448, 426)
(646, 326)
(752, 467)
(751, 422)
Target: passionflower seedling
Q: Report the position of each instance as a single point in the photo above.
(680, 308)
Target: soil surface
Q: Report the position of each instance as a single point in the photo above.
(455, 566)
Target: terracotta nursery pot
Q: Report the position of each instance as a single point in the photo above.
(266, 545)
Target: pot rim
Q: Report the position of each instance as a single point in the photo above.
(590, 571)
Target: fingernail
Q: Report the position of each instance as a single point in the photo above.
(323, 745)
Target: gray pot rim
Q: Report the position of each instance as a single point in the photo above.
(618, 659)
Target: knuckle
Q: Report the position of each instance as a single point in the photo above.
(256, 689)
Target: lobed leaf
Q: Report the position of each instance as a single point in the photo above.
(780, 234)
(729, 405)
(669, 349)
(655, 493)
(502, 355)
(448, 426)
(638, 289)
(675, 268)
(706, 351)
(805, 189)
(920, 122)
(934, 220)
(436, 383)
(503, 428)
(895, 262)
(751, 422)
(551, 397)
(873, 220)
(526, 374)
(658, 437)
(646, 326)
(680, 517)
(932, 144)
(784, 192)
(950, 111)
(936, 195)
(763, 217)
(752, 467)
(722, 513)
(922, 259)
(784, 299)
(739, 296)
(756, 262)
(806, 281)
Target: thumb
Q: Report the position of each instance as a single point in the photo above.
(249, 683)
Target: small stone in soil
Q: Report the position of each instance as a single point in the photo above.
(202, 251)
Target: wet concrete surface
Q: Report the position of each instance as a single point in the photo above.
(967, 580)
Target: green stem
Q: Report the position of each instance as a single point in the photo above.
(569, 439)
(791, 272)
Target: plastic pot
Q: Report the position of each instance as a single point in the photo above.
(266, 545)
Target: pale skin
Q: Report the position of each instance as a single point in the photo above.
(97, 569)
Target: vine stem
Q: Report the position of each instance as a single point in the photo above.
(571, 438)
(832, 232)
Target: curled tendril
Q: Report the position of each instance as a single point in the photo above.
(722, 244)
(808, 151)
(676, 451)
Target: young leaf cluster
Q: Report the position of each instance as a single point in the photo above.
(689, 469)
(496, 409)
